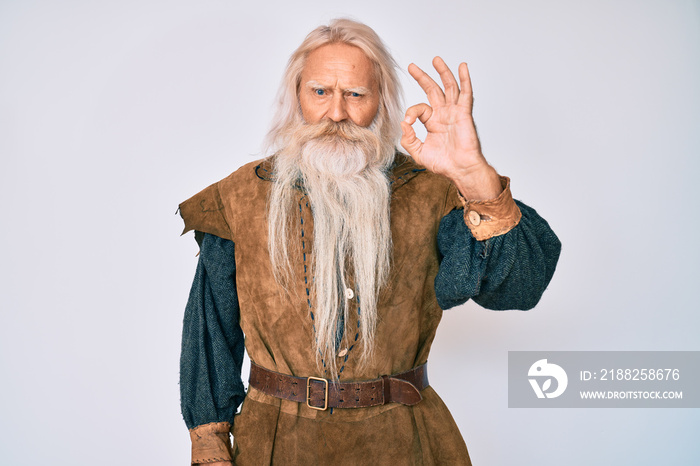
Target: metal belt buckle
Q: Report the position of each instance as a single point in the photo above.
(308, 393)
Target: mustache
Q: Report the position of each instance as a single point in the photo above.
(329, 130)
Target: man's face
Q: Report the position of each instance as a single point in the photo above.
(338, 83)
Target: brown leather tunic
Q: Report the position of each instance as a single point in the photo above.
(279, 329)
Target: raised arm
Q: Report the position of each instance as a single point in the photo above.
(509, 271)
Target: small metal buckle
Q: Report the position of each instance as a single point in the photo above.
(308, 393)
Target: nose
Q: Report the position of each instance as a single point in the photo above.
(337, 111)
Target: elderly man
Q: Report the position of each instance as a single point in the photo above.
(336, 255)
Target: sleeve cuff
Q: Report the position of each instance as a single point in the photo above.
(493, 217)
(211, 443)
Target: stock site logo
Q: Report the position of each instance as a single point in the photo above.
(544, 371)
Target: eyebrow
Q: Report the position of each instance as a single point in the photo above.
(317, 85)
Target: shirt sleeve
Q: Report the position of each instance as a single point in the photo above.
(509, 271)
(211, 388)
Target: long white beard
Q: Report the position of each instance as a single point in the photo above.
(343, 169)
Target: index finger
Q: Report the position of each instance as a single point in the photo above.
(435, 95)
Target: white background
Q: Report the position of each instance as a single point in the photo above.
(111, 113)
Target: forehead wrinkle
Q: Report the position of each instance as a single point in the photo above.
(341, 65)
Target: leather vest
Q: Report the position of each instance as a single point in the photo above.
(277, 325)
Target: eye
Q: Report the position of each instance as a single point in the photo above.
(319, 92)
(355, 94)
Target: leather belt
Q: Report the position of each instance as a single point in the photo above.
(321, 394)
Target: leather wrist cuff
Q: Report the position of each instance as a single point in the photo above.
(492, 217)
(211, 443)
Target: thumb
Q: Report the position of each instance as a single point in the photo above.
(410, 142)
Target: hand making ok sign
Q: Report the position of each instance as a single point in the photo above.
(451, 147)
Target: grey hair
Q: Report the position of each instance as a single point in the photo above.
(346, 31)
